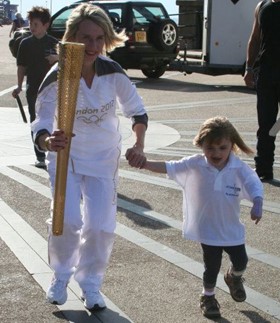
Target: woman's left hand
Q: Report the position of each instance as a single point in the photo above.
(135, 156)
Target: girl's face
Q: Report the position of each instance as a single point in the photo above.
(93, 37)
(217, 153)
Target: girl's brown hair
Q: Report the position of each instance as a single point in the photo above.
(215, 129)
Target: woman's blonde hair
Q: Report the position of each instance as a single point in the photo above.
(100, 18)
(215, 129)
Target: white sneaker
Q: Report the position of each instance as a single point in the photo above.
(57, 292)
(93, 301)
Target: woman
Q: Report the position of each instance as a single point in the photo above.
(84, 248)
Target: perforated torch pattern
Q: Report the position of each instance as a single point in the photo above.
(69, 73)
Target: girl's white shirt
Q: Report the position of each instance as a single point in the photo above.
(211, 198)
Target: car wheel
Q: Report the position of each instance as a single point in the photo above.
(164, 34)
(154, 73)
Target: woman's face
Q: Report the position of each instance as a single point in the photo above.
(93, 37)
(217, 153)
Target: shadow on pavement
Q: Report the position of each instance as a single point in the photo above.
(141, 220)
(220, 320)
(184, 86)
(105, 316)
(255, 317)
(273, 182)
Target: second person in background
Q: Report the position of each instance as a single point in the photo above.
(17, 23)
(36, 55)
(263, 72)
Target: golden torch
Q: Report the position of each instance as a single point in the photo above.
(70, 63)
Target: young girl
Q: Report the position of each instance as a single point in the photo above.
(213, 185)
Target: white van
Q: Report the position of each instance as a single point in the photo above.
(214, 35)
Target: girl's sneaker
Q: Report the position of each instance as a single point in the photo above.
(235, 285)
(209, 306)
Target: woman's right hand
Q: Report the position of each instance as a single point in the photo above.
(56, 141)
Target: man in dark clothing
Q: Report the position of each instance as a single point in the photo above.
(17, 23)
(35, 57)
(263, 55)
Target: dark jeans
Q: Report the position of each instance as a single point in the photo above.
(212, 257)
(268, 97)
(31, 100)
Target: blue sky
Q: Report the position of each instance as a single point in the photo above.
(55, 5)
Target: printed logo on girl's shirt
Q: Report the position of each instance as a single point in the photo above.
(232, 190)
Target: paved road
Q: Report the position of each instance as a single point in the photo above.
(154, 275)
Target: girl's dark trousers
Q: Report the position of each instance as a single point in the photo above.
(212, 257)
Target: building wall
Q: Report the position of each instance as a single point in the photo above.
(7, 11)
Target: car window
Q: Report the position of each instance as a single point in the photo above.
(60, 21)
(116, 16)
(115, 12)
(145, 15)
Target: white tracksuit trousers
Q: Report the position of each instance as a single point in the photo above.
(85, 247)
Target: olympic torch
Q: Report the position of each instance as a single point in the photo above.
(69, 73)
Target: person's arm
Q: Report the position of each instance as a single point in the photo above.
(155, 166)
(20, 76)
(12, 29)
(140, 132)
(135, 155)
(253, 50)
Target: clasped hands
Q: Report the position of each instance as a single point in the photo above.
(136, 157)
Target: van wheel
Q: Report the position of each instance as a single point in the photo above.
(154, 73)
(164, 34)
